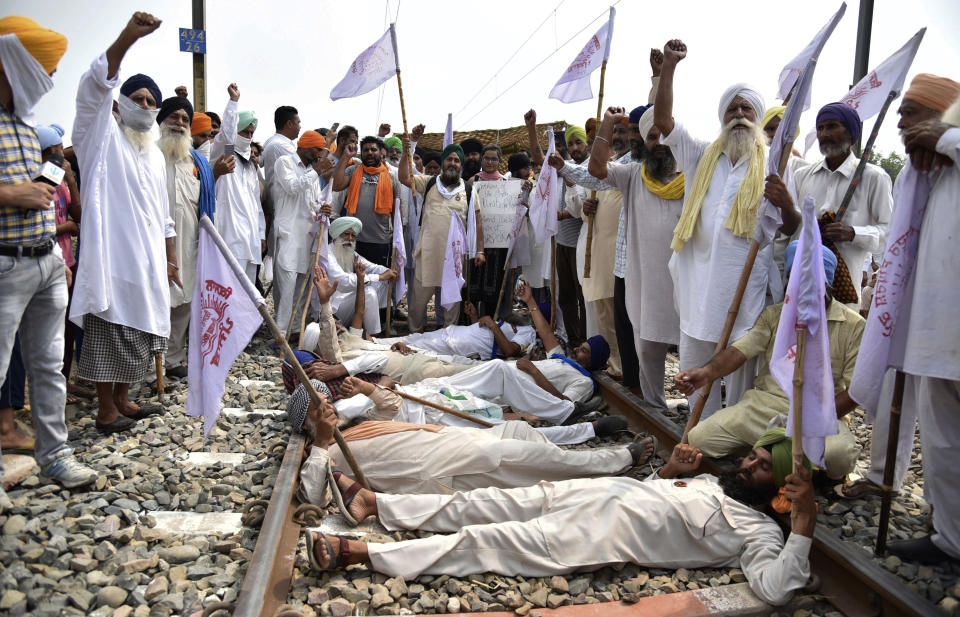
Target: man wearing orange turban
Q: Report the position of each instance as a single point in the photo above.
(200, 130)
(33, 288)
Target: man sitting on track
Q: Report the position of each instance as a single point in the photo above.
(401, 457)
(559, 527)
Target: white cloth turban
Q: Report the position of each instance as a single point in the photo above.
(748, 92)
(645, 123)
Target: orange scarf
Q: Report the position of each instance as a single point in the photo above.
(376, 428)
(383, 203)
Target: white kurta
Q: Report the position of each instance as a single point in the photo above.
(706, 271)
(344, 298)
(239, 217)
(183, 189)
(122, 277)
(560, 527)
(295, 208)
(649, 222)
(869, 211)
(466, 340)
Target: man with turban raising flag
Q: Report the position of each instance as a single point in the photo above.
(191, 191)
(442, 195)
(127, 253)
(724, 182)
(33, 286)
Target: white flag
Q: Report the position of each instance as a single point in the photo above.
(803, 307)
(472, 226)
(375, 65)
(870, 93)
(401, 259)
(448, 132)
(790, 73)
(574, 84)
(223, 318)
(545, 198)
(884, 336)
(453, 280)
(518, 251)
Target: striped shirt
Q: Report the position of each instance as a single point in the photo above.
(20, 162)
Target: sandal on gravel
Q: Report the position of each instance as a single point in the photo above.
(345, 498)
(857, 489)
(636, 448)
(335, 558)
(122, 423)
(146, 412)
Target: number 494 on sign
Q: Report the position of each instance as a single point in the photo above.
(193, 41)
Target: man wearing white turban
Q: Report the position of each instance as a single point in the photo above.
(724, 182)
(345, 266)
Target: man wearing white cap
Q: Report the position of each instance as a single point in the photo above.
(723, 185)
(345, 267)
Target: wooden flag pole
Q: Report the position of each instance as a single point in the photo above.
(158, 366)
(734, 309)
(448, 410)
(296, 305)
(553, 282)
(281, 340)
(858, 174)
(308, 283)
(413, 184)
(893, 437)
(797, 449)
(588, 256)
(503, 287)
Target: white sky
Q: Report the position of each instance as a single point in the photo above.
(296, 52)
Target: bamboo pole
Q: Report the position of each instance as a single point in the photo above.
(448, 410)
(858, 174)
(296, 305)
(308, 282)
(893, 436)
(588, 256)
(797, 449)
(158, 366)
(281, 340)
(503, 287)
(553, 282)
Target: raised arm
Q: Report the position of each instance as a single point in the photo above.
(673, 52)
(600, 152)
(530, 119)
(544, 331)
(403, 170)
(340, 180)
(139, 26)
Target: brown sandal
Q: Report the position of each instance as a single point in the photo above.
(858, 489)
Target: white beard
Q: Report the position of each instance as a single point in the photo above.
(175, 146)
(740, 143)
(345, 254)
(140, 140)
(952, 115)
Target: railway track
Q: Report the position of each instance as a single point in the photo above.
(844, 574)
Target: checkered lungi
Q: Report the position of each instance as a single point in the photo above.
(115, 353)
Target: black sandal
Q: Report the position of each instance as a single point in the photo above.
(335, 558)
(122, 423)
(345, 498)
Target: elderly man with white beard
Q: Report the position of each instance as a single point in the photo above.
(723, 185)
(342, 262)
(191, 191)
(128, 257)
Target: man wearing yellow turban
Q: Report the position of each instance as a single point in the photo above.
(724, 182)
(33, 288)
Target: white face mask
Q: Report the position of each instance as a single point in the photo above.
(204, 149)
(136, 117)
(242, 146)
(28, 81)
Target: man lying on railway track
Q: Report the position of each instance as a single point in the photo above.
(400, 457)
(734, 429)
(558, 527)
(554, 390)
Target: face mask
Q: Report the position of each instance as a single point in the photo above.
(136, 117)
(28, 81)
(242, 146)
(204, 149)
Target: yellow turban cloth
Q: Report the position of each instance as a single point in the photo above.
(43, 44)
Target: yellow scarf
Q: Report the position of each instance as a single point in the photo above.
(743, 214)
(674, 190)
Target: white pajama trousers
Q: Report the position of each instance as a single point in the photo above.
(493, 530)
(286, 283)
(881, 431)
(515, 388)
(371, 309)
(177, 341)
(695, 353)
(652, 357)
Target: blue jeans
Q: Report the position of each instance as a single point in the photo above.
(33, 301)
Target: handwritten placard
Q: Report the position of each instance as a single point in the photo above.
(498, 207)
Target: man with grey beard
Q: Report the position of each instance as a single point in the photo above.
(347, 269)
(191, 191)
(723, 185)
(862, 231)
(652, 201)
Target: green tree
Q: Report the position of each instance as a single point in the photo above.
(892, 163)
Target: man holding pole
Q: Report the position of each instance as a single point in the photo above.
(724, 182)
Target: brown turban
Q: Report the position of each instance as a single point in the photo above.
(933, 91)
(201, 123)
(311, 139)
(45, 45)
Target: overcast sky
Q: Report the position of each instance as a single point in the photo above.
(293, 53)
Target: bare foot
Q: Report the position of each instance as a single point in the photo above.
(364, 502)
(13, 439)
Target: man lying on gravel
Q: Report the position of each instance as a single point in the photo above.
(558, 527)
(400, 457)
(553, 390)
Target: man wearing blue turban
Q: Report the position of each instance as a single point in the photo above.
(735, 429)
